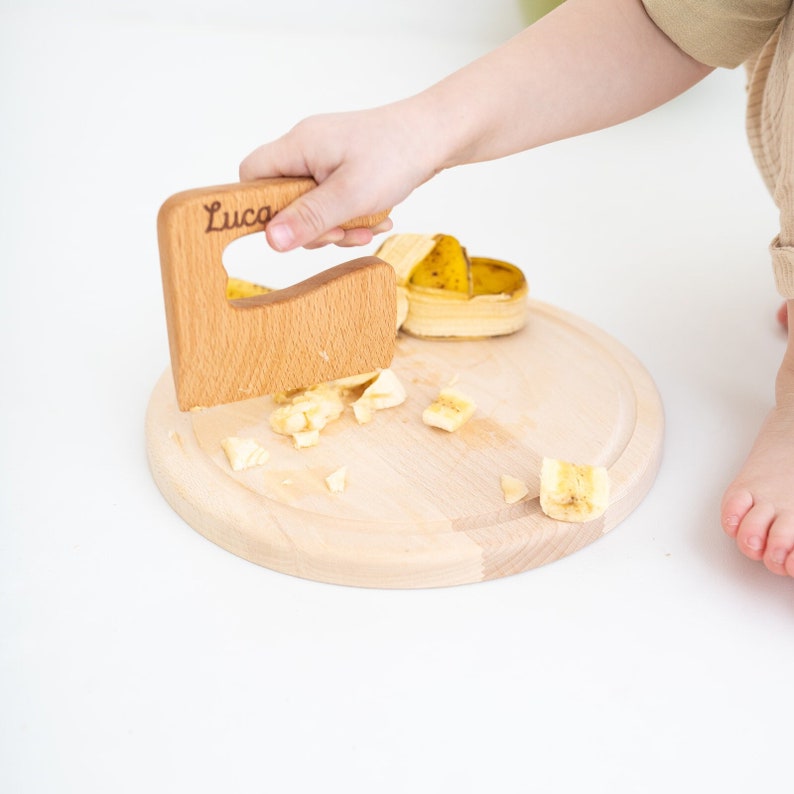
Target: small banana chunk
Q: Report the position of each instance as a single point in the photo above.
(573, 492)
(305, 438)
(312, 409)
(450, 410)
(385, 391)
(243, 453)
(514, 490)
(336, 480)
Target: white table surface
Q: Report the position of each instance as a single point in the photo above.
(137, 656)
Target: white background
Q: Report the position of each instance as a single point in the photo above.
(137, 656)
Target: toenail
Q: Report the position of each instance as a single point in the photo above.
(754, 543)
(731, 521)
(778, 557)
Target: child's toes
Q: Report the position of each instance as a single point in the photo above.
(735, 505)
(751, 537)
(778, 555)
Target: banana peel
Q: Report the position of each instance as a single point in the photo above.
(237, 288)
(441, 291)
(452, 295)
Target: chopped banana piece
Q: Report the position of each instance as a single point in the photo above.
(385, 391)
(288, 419)
(243, 453)
(336, 480)
(449, 411)
(308, 410)
(514, 490)
(306, 438)
(573, 492)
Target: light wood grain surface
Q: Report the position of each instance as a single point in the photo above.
(423, 507)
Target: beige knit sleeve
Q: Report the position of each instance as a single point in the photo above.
(718, 32)
(770, 128)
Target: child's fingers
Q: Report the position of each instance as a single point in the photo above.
(336, 235)
(277, 158)
(350, 238)
(316, 215)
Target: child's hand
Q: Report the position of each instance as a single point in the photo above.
(363, 162)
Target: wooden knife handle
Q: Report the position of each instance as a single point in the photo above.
(226, 212)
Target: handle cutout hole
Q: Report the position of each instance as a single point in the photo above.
(252, 267)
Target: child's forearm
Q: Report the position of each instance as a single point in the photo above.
(588, 65)
(585, 66)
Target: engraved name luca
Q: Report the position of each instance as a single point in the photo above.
(221, 220)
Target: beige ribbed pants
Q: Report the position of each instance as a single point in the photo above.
(770, 128)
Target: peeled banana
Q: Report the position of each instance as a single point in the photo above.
(450, 410)
(573, 492)
(450, 294)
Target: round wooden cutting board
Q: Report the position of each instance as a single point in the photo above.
(423, 507)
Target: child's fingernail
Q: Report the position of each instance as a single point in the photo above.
(281, 236)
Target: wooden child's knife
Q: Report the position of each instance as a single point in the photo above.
(340, 322)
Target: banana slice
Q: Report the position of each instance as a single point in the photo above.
(449, 411)
(514, 490)
(573, 492)
(243, 453)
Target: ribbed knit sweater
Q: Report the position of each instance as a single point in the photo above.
(759, 34)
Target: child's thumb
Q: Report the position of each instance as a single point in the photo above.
(307, 218)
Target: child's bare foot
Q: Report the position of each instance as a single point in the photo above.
(758, 507)
(782, 315)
